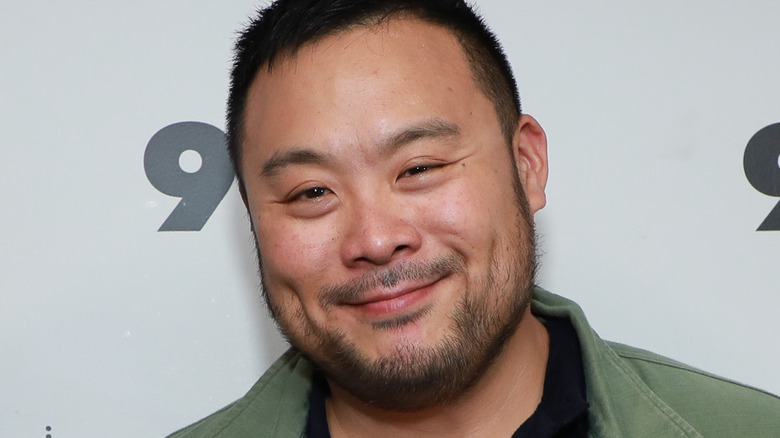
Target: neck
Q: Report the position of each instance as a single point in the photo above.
(505, 396)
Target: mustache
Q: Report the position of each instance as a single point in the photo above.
(353, 290)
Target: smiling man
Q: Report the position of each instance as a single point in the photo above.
(391, 181)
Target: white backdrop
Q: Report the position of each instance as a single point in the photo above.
(111, 328)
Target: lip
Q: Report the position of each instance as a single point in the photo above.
(387, 302)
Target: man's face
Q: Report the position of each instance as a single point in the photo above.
(395, 241)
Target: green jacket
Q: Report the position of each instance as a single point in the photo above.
(632, 393)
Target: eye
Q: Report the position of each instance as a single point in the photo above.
(310, 194)
(311, 202)
(416, 170)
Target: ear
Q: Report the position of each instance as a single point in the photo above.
(529, 146)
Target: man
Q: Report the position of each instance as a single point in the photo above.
(391, 182)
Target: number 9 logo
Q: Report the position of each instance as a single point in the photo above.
(200, 191)
(762, 168)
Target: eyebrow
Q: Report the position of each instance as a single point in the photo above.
(280, 160)
(431, 128)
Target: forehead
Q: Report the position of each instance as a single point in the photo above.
(358, 83)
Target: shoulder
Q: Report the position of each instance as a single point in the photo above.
(276, 406)
(633, 392)
(713, 405)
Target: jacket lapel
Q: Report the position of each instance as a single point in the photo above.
(621, 404)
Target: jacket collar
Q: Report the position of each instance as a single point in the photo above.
(621, 404)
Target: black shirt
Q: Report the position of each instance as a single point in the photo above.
(562, 413)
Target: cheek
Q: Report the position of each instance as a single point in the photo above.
(294, 254)
(470, 210)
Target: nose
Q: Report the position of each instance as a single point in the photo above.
(379, 231)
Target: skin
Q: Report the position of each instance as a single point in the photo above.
(370, 150)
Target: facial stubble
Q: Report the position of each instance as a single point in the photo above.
(412, 377)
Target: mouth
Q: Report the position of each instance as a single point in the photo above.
(395, 292)
(383, 303)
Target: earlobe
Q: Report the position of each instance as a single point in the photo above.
(529, 146)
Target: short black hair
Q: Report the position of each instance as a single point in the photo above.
(285, 26)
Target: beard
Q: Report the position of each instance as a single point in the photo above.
(414, 377)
